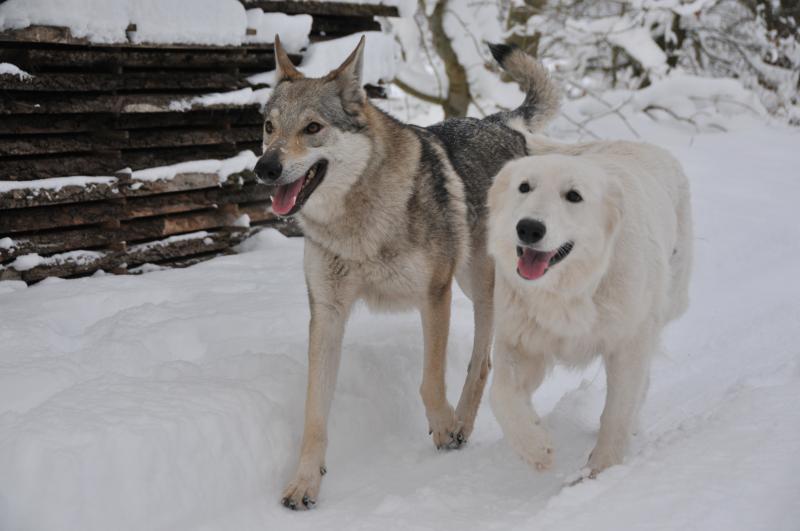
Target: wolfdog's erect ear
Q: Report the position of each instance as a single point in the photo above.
(348, 77)
(284, 69)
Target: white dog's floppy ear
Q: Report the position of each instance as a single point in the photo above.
(284, 68)
(348, 78)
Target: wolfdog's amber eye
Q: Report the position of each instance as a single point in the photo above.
(573, 196)
(313, 128)
(524, 187)
(268, 127)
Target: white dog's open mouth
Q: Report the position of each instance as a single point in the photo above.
(289, 198)
(532, 264)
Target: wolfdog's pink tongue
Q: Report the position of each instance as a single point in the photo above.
(533, 264)
(286, 196)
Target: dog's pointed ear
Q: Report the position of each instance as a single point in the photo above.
(348, 77)
(284, 68)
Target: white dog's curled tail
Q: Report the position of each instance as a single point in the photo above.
(542, 96)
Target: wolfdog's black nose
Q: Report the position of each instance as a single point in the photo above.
(530, 230)
(269, 167)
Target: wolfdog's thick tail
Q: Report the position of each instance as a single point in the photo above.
(542, 97)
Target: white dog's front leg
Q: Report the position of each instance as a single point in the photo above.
(516, 377)
(331, 297)
(627, 376)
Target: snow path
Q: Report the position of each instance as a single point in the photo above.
(174, 400)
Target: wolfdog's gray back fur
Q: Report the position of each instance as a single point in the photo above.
(479, 148)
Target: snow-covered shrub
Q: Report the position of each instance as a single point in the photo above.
(613, 44)
(593, 46)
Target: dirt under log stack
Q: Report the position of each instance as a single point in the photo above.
(105, 111)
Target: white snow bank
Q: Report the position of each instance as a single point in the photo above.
(55, 183)
(218, 22)
(245, 96)
(29, 261)
(292, 29)
(686, 94)
(162, 21)
(246, 160)
(174, 400)
(6, 243)
(7, 69)
(242, 221)
(380, 56)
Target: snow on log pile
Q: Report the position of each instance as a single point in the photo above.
(122, 129)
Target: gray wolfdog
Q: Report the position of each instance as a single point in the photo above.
(391, 213)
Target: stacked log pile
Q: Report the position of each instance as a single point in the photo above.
(106, 111)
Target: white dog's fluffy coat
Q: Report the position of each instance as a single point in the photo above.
(626, 276)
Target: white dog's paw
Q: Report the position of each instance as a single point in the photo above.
(537, 451)
(445, 428)
(602, 458)
(301, 494)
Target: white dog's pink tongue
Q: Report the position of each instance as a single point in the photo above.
(286, 196)
(533, 264)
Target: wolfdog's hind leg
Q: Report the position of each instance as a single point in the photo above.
(435, 328)
(482, 288)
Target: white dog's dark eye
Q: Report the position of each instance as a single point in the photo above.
(313, 128)
(524, 187)
(573, 196)
(268, 127)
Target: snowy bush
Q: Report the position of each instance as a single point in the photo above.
(597, 45)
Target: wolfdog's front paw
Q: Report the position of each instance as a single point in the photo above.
(537, 451)
(445, 429)
(301, 494)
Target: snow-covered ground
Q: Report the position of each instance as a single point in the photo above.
(173, 400)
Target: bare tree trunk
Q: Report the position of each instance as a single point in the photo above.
(458, 97)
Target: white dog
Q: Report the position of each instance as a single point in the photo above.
(592, 246)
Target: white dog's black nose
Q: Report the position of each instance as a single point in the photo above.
(269, 167)
(530, 230)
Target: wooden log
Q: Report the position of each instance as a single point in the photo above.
(181, 247)
(25, 124)
(34, 196)
(57, 241)
(258, 211)
(240, 186)
(194, 200)
(72, 268)
(121, 140)
(342, 25)
(323, 8)
(45, 166)
(57, 103)
(35, 60)
(49, 217)
(148, 228)
(93, 82)
(180, 263)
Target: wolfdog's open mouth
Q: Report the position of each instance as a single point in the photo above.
(532, 264)
(287, 199)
